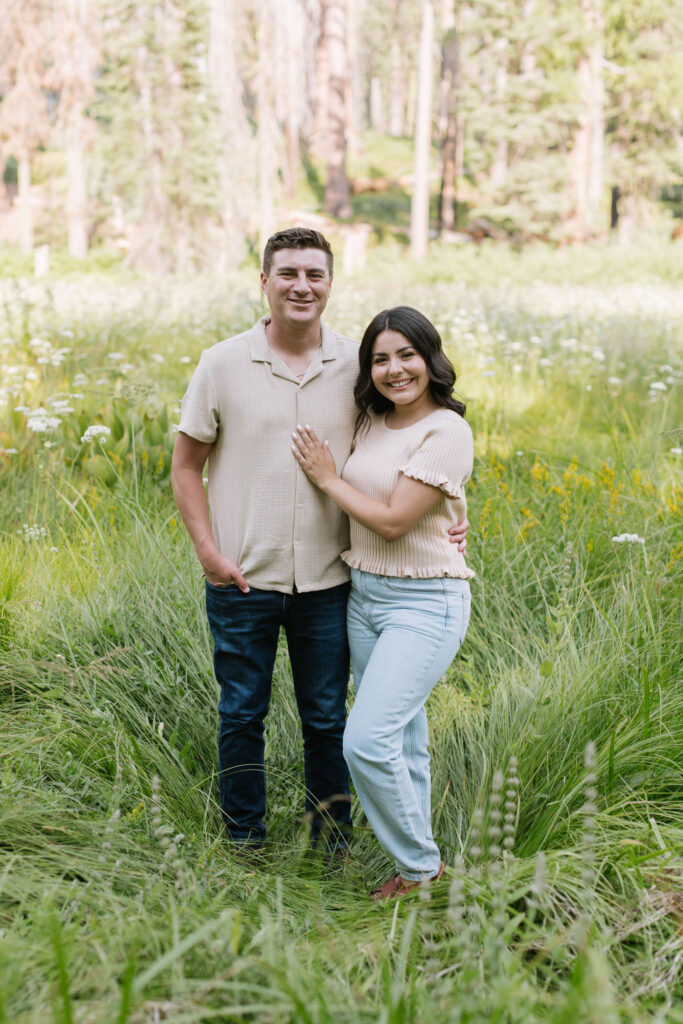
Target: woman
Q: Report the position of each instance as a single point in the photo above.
(402, 487)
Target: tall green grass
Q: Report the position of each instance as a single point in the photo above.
(556, 736)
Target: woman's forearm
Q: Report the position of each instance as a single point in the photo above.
(408, 504)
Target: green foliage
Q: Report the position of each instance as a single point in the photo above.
(556, 735)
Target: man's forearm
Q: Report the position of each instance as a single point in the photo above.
(188, 488)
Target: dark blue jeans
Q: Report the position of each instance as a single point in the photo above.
(245, 629)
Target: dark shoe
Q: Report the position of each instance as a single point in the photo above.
(398, 886)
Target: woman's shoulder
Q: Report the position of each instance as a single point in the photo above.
(447, 421)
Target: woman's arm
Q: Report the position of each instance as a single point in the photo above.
(409, 502)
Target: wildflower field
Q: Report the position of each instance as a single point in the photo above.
(556, 736)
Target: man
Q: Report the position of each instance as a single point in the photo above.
(270, 548)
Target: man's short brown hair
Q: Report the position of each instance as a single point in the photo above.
(296, 238)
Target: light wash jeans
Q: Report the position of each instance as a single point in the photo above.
(403, 635)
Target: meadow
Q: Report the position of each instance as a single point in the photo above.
(556, 736)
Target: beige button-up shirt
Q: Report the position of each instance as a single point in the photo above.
(266, 515)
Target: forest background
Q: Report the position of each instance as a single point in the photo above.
(181, 134)
(514, 171)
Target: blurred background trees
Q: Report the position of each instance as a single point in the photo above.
(182, 132)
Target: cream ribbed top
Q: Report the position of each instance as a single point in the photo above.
(436, 450)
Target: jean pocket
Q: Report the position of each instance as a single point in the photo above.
(413, 585)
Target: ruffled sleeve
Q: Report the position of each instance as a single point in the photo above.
(444, 457)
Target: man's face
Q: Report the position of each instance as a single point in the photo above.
(298, 286)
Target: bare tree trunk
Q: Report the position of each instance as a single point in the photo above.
(419, 207)
(319, 139)
(448, 116)
(234, 130)
(24, 202)
(337, 193)
(354, 91)
(499, 167)
(596, 56)
(265, 134)
(377, 118)
(291, 43)
(397, 102)
(77, 194)
(587, 153)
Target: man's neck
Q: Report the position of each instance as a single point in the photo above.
(294, 342)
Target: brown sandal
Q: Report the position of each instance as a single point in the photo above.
(398, 886)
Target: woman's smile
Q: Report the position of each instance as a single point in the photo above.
(400, 374)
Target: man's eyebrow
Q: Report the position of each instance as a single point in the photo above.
(291, 269)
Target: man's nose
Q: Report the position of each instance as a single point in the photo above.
(301, 283)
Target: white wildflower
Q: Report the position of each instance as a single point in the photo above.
(589, 387)
(39, 424)
(116, 355)
(96, 430)
(185, 359)
(628, 538)
(614, 380)
(676, 451)
(30, 533)
(658, 385)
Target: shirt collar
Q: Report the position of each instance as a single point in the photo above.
(259, 349)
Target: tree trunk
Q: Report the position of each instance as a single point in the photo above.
(354, 91)
(587, 152)
(291, 53)
(448, 117)
(419, 207)
(235, 136)
(319, 141)
(337, 192)
(265, 134)
(24, 202)
(397, 101)
(499, 167)
(77, 195)
(377, 119)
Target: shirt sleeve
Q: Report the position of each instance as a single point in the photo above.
(444, 457)
(199, 410)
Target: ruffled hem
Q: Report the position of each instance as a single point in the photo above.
(407, 571)
(433, 479)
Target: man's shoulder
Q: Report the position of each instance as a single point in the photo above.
(233, 347)
(346, 348)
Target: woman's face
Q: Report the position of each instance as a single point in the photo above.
(398, 370)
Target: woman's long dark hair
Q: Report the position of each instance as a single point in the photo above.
(426, 340)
